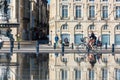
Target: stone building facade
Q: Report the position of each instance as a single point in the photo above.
(75, 19)
(33, 21)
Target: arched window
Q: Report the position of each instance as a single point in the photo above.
(91, 27)
(65, 26)
(105, 27)
(118, 27)
(78, 27)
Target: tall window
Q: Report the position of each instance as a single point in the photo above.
(77, 74)
(105, 39)
(117, 74)
(91, 74)
(117, 39)
(91, 11)
(77, 38)
(117, 11)
(64, 11)
(78, 11)
(104, 74)
(63, 74)
(105, 12)
(65, 36)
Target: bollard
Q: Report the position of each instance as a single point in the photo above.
(72, 46)
(105, 45)
(113, 49)
(62, 49)
(11, 47)
(18, 45)
(37, 48)
(12, 43)
(54, 45)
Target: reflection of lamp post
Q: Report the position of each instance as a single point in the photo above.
(51, 37)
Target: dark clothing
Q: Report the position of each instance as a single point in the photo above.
(56, 38)
(93, 36)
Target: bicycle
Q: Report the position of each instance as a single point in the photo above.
(85, 46)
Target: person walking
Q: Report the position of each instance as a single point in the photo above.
(56, 40)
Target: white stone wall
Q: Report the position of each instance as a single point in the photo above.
(55, 26)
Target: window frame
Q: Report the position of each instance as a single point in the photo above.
(77, 74)
(78, 11)
(64, 10)
(104, 13)
(104, 74)
(91, 11)
(64, 74)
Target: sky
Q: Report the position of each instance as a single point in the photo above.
(48, 1)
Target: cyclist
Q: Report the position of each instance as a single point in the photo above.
(92, 40)
(92, 59)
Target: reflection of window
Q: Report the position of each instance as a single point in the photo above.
(117, 12)
(117, 74)
(64, 11)
(63, 74)
(105, 12)
(105, 27)
(104, 74)
(91, 11)
(91, 74)
(77, 74)
(78, 11)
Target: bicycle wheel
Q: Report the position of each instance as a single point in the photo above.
(82, 46)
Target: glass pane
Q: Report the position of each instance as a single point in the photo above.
(77, 38)
(64, 36)
(77, 74)
(64, 11)
(117, 39)
(91, 12)
(105, 39)
(78, 11)
(105, 11)
(91, 74)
